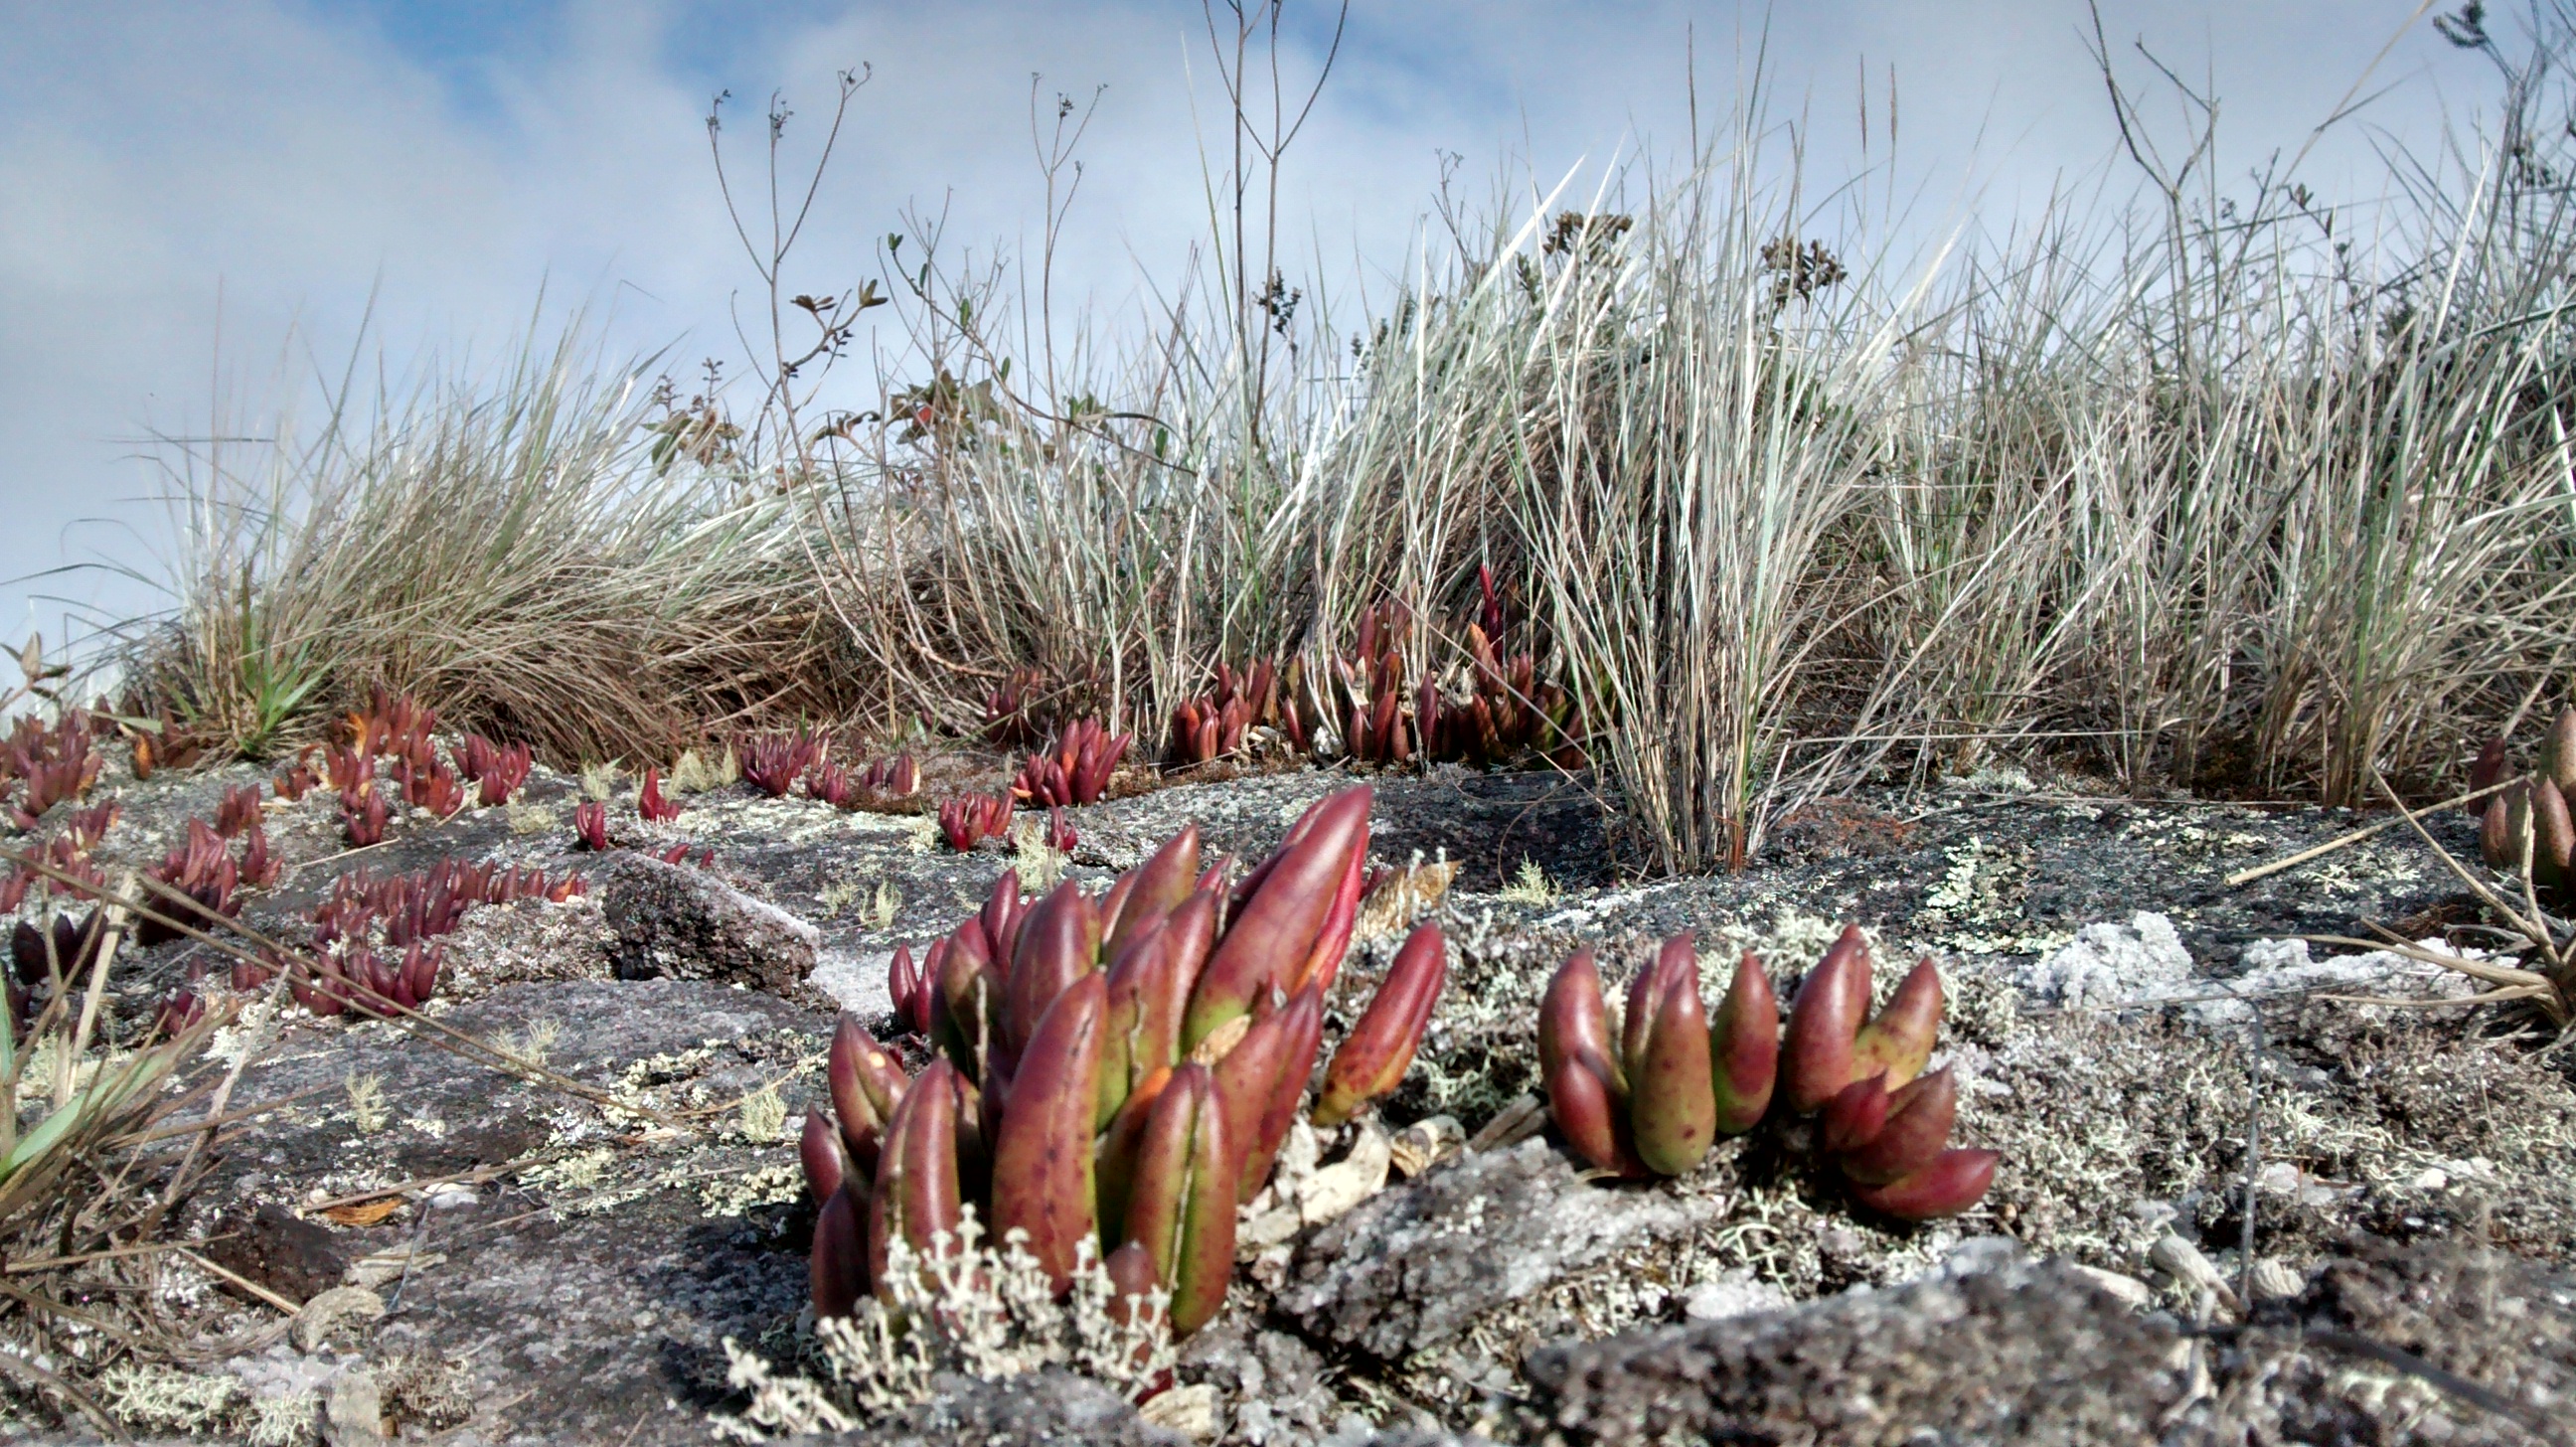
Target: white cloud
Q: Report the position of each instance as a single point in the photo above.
(176, 177)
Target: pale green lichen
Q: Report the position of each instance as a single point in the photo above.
(838, 895)
(963, 1307)
(1530, 886)
(762, 1116)
(736, 1193)
(530, 818)
(366, 1102)
(529, 1046)
(160, 1398)
(1975, 909)
(288, 1420)
(165, 1399)
(580, 1172)
(1039, 863)
(696, 773)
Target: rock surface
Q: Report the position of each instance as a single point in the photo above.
(575, 1178)
(1411, 1269)
(585, 1272)
(2020, 1354)
(2011, 1351)
(673, 922)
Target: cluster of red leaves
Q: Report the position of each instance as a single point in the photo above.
(1010, 711)
(66, 854)
(398, 728)
(46, 766)
(372, 983)
(968, 821)
(497, 771)
(396, 725)
(353, 969)
(295, 780)
(650, 805)
(773, 762)
(48, 962)
(1491, 711)
(205, 876)
(1074, 768)
(880, 781)
(239, 810)
(1212, 726)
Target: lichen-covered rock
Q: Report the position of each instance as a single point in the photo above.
(1280, 1383)
(2019, 1353)
(627, 1198)
(2437, 1341)
(582, 1276)
(674, 922)
(1414, 1267)
(2323, 1368)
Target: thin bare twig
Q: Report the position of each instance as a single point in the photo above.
(2346, 841)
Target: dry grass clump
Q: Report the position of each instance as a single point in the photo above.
(500, 546)
(93, 1154)
(2230, 487)
(2216, 492)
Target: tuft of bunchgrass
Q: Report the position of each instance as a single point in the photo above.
(498, 544)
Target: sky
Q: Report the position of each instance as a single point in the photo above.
(205, 207)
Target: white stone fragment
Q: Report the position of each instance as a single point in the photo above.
(2183, 1261)
(2128, 1290)
(1189, 1410)
(2144, 962)
(2276, 1280)
(331, 1309)
(1335, 1189)
(857, 979)
(353, 1414)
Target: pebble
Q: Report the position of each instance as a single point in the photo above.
(2129, 1290)
(330, 1310)
(2276, 1280)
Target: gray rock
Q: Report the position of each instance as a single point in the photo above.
(856, 979)
(295, 1258)
(674, 922)
(2145, 962)
(1278, 1373)
(353, 1414)
(2006, 1354)
(2278, 969)
(598, 1323)
(2458, 1344)
(1416, 1265)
